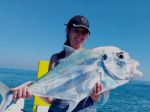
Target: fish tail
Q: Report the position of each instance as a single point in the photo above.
(6, 97)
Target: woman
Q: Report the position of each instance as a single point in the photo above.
(77, 31)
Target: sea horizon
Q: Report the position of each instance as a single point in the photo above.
(133, 96)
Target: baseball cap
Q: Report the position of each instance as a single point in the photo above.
(79, 21)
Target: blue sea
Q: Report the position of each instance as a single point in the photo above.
(132, 97)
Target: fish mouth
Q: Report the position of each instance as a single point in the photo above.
(136, 71)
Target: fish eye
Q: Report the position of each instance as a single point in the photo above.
(120, 55)
(104, 57)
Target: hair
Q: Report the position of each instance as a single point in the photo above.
(67, 42)
(62, 54)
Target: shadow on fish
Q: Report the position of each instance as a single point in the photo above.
(75, 76)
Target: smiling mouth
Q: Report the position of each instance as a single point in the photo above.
(78, 40)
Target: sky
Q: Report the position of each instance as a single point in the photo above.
(33, 30)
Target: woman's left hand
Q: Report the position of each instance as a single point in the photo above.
(95, 93)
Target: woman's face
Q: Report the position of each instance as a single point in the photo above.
(77, 37)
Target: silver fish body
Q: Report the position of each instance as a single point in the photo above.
(74, 77)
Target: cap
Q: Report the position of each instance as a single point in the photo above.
(79, 21)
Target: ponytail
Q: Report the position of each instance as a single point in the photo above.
(62, 54)
(67, 42)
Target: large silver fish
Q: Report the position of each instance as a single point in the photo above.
(74, 77)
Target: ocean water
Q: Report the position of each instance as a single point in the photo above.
(132, 97)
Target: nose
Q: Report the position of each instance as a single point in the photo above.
(80, 35)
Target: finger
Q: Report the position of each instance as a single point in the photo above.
(98, 89)
(29, 94)
(18, 87)
(15, 89)
(94, 90)
(24, 92)
(19, 95)
(15, 96)
(101, 87)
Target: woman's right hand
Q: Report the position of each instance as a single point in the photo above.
(22, 91)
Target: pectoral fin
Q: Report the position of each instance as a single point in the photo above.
(106, 96)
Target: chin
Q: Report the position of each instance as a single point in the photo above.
(76, 47)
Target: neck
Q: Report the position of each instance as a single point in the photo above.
(77, 47)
